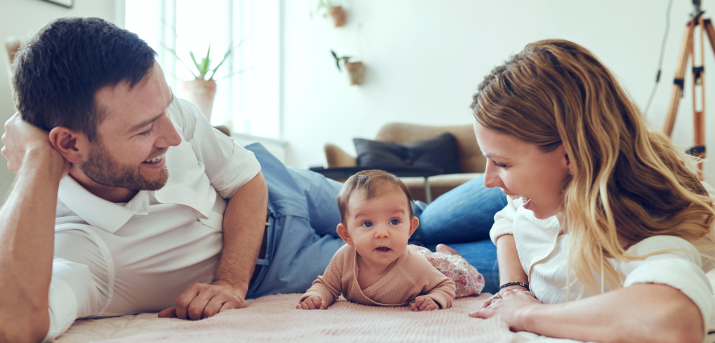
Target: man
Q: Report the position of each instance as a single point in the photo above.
(119, 205)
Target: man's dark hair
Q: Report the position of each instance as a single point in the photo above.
(58, 71)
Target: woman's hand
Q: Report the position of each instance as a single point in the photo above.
(510, 304)
(498, 295)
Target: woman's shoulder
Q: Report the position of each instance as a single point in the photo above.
(660, 242)
(663, 246)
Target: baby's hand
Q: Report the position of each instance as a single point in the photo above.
(312, 302)
(424, 303)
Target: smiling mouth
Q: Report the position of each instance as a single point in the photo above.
(515, 196)
(155, 159)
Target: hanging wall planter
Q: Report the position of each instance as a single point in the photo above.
(331, 7)
(338, 14)
(356, 70)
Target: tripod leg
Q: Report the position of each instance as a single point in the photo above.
(708, 25)
(677, 91)
(699, 112)
(699, 119)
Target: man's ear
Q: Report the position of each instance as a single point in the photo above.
(414, 223)
(69, 143)
(343, 232)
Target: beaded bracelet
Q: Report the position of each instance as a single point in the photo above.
(514, 283)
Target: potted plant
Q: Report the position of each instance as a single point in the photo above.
(356, 70)
(202, 89)
(336, 12)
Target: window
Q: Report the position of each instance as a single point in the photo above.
(247, 83)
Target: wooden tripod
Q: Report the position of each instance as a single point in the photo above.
(687, 49)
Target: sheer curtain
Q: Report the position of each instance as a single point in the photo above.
(247, 83)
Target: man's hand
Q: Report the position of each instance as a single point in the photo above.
(424, 303)
(21, 137)
(202, 300)
(313, 302)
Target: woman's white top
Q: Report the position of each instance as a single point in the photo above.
(543, 253)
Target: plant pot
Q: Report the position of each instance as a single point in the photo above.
(201, 93)
(356, 72)
(338, 14)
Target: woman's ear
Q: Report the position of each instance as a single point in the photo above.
(68, 143)
(566, 161)
(414, 223)
(569, 165)
(343, 232)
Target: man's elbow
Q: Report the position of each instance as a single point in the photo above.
(30, 327)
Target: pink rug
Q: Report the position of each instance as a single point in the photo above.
(275, 319)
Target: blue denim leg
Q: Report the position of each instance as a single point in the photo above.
(462, 218)
(464, 214)
(301, 236)
(298, 256)
(321, 196)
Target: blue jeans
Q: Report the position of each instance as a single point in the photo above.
(462, 219)
(301, 236)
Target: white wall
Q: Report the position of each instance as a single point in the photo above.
(21, 19)
(425, 59)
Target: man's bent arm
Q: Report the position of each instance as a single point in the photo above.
(243, 228)
(27, 223)
(244, 223)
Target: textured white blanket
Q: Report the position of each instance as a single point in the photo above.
(275, 319)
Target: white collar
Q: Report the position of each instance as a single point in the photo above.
(98, 212)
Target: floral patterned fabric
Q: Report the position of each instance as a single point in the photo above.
(467, 279)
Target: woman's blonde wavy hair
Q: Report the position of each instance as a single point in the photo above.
(629, 183)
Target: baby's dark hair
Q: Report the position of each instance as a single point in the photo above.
(369, 181)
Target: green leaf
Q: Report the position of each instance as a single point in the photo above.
(337, 59)
(205, 63)
(225, 56)
(196, 64)
(173, 52)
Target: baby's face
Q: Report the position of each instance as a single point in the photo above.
(380, 227)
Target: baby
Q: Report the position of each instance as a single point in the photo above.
(377, 267)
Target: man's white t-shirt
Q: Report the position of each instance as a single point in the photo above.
(114, 259)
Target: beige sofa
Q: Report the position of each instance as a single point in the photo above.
(471, 160)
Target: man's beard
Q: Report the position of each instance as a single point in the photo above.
(104, 170)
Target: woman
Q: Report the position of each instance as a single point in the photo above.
(612, 229)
